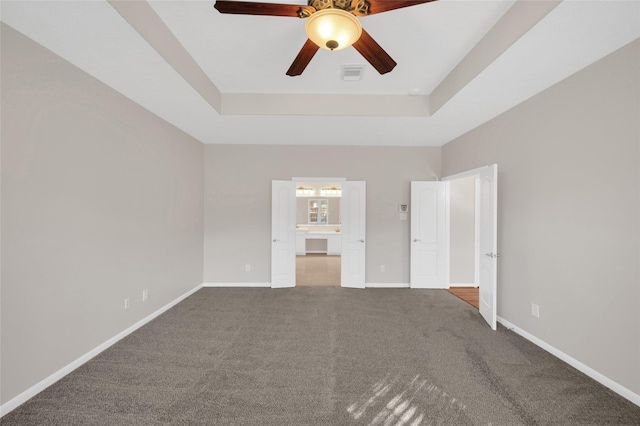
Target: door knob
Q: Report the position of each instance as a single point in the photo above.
(274, 240)
(415, 240)
(362, 241)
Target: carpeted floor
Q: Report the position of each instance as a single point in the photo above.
(324, 356)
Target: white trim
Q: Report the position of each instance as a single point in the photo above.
(476, 231)
(447, 232)
(387, 285)
(599, 377)
(462, 285)
(467, 173)
(236, 285)
(318, 179)
(43, 384)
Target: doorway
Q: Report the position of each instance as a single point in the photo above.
(318, 233)
(463, 239)
(463, 232)
(347, 240)
(485, 184)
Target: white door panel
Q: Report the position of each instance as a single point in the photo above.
(488, 241)
(353, 217)
(283, 234)
(428, 234)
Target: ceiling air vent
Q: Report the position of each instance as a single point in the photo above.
(352, 72)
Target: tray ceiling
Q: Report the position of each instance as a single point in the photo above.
(221, 78)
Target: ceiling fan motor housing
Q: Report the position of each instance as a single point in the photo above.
(359, 8)
(326, 4)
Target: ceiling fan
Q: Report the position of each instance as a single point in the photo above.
(331, 25)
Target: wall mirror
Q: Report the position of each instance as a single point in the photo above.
(318, 211)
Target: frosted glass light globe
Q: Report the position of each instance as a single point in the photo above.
(333, 29)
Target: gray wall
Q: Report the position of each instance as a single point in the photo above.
(238, 203)
(569, 212)
(100, 200)
(462, 224)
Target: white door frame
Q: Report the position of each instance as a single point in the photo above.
(489, 316)
(314, 179)
(465, 174)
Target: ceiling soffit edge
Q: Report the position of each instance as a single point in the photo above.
(519, 19)
(141, 16)
(318, 104)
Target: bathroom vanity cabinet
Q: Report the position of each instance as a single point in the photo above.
(333, 241)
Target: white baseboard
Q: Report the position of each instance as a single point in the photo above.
(43, 384)
(387, 285)
(236, 285)
(614, 386)
(462, 285)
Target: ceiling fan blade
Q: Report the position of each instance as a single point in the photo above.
(373, 53)
(302, 60)
(379, 6)
(255, 8)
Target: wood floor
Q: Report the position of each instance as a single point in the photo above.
(468, 294)
(318, 270)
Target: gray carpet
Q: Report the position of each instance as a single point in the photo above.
(324, 356)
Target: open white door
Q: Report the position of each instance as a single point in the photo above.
(428, 268)
(283, 234)
(488, 242)
(353, 234)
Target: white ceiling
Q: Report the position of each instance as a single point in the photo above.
(256, 61)
(221, 78)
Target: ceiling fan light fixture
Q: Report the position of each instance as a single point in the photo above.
(333, 29)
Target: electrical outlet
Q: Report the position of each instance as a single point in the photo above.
(535, 310)
(145, 294)
(382, 268)
(127, 303)
(247, 267)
